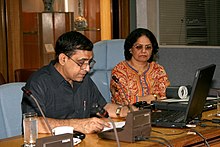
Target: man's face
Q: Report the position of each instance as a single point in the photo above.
(77, 66)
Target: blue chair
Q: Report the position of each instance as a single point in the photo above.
(107, 54)
(10, 109)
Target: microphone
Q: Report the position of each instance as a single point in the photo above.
(103, 113)
(29, 93)
(126, 97)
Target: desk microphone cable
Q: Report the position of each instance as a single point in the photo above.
(205, 125)
(169, 134)
(215, 121)
(154, 139)
(199, 134)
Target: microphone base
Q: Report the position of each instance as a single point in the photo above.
(138, 124)
(63, 140)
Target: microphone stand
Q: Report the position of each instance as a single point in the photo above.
(115, 131)
(119, 83)
(29, 93)
(104, 114)
(62, 140)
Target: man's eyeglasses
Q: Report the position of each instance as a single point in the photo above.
(83, 64)
(140, 46)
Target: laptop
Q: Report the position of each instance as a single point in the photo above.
(179, 118)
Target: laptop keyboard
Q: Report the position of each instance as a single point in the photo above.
(168, 116)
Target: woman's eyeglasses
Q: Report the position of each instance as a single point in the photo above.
(140, 46)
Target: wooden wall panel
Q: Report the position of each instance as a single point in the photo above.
(15, 52)
(124, 18)
(106, 25)
(120, 18)
(3, 59)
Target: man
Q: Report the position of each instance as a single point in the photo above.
(64, 90)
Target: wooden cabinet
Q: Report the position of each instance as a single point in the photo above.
(40, 32)
(52, 25)
(30, 40)
(28, 29)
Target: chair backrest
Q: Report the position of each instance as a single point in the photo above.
(10, 109)
(107, 54)
(22, 75)
(2, 79)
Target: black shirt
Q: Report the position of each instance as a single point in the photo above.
(57, 98)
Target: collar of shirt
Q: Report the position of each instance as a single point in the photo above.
(57, 78)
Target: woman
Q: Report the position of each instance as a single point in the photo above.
(139, 77)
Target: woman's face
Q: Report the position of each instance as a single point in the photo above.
(142, 49)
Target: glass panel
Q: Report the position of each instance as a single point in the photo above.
(189, 22)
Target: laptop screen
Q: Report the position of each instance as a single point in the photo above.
(200, 88)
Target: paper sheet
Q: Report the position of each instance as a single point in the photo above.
(175, 100)
(117, 125)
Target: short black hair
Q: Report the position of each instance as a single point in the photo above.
(68, 42)
(133, 37)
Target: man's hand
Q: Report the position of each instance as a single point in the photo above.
(93, 125)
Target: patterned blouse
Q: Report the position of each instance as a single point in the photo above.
(131, 84)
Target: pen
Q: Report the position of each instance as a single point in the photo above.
(84, 105)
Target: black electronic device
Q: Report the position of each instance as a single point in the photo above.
(77, 134)
(143, 105)
(193, 110)
(100, 110)
(178, 92)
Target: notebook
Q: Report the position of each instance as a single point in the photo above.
(182, 117)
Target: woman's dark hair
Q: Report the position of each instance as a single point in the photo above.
(133, 37)
(68, 42)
